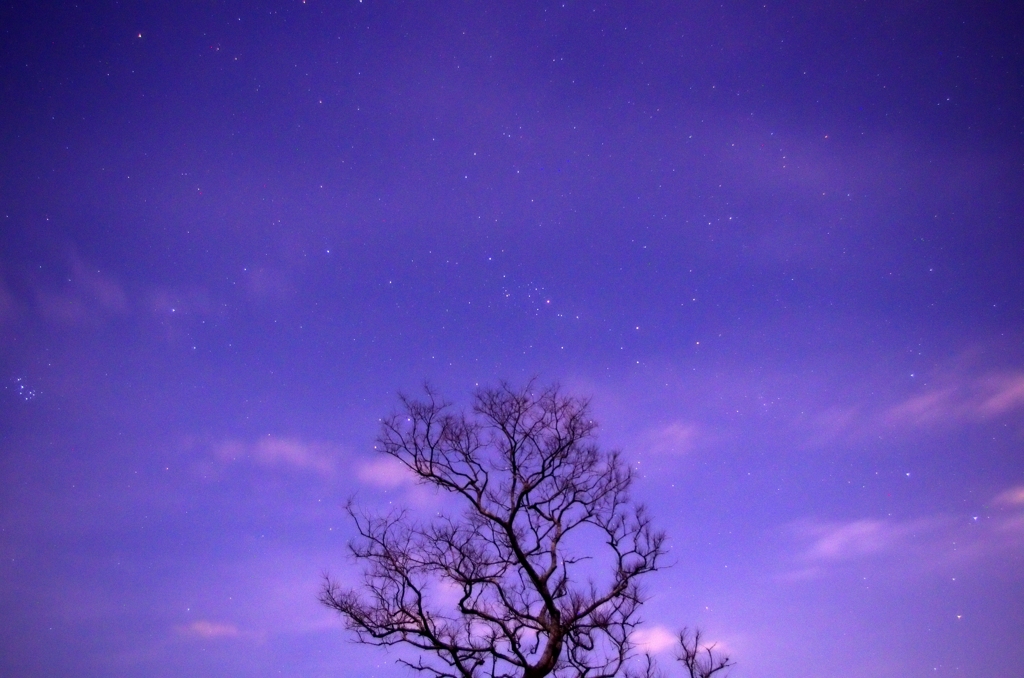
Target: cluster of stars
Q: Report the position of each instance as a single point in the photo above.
(24, 392)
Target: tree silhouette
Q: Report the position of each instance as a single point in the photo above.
(511, 586)
(700, 660)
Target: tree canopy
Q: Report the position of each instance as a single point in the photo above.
(537, 575)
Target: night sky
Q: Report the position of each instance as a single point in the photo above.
(780, 246)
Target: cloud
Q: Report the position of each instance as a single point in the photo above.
(843, 541)
(921, 408)
(1005, 393)
(967, 400)
(919, 544)
(1011, 497)
(679, 437)
(1010, 524)
(959, 393)
(830, 545)
(385, 472)
(209, 630)
(272, 452)
(829, 426)
(655, 639)
(8, 305)
(85, 295)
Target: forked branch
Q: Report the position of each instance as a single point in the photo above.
(531, 481)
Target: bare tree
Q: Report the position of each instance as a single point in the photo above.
(700, 660)
(506, 588)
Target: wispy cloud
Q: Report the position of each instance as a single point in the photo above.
(964, 400)
(8, 304)
(278, 453)
(1005, 393)
(273, 452)
(655, 639)
(1013, 497)
(858, 538)
(209, 630)
(918, 543)
(85, 295)
(960, 396)
(385, 472)
(679, 437)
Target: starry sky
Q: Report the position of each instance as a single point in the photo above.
(780, 246)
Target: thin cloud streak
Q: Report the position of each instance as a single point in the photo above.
(971, 399)
(914, 545)
(209, 630)
(385, 473)
(1012, 497)
(677, 438)
(280, 454)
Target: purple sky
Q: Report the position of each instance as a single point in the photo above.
(780, 245)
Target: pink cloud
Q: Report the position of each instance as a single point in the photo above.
(86, 294)
(95, 286)
(8, 305)
(841, 541)
(385, 472)
(1011, 497)
(968, 400)
(1005, 393)
(209, 630)
(272, 452)
(655, 639)
(676, 438)
(915, 544)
